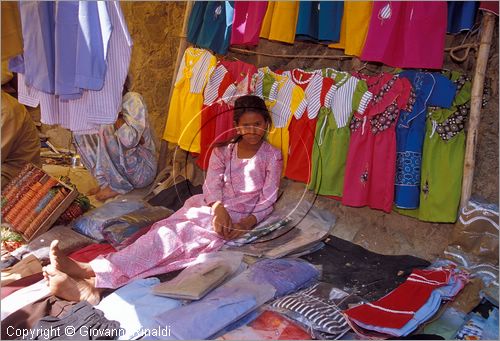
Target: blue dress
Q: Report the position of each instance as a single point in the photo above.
(461, 15)
(210, 25)
(431, 89)
(320, 21)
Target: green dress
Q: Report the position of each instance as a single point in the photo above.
(443, 158)
(331, 142)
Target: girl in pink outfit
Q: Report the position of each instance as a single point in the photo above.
(240, 189)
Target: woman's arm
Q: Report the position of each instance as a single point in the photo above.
(131, 125)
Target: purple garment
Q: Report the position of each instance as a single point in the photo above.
(84, 115)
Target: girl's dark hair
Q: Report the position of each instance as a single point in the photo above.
(250, 103)
(243, 104)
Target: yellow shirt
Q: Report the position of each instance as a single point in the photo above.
(354, 27)
(290, 100)
(184, 114)
(280, 21)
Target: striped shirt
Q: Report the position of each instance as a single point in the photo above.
(84, 115)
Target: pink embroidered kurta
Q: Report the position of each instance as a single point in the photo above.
(244, 186)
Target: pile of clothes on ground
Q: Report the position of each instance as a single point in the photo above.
(287, 279)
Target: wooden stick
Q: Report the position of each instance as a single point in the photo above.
(236, 50)
(475, 107)
(180, 52)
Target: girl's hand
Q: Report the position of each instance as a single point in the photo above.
(222, 221)
(242, 227)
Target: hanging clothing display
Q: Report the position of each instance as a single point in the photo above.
(247, 22)
(285, 99)
(349, 94)
(461, 16)
(354, 27)
(407, 34)
(371, 160)
(183, 121)
(443, 157)
(85, 114)
(280, 21)
(489, 6)
(302, 128)
(228, 81)
(319, 21)
(431, 89)
(210, 25)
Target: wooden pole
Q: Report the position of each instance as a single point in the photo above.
(180, 52)
(488, 25)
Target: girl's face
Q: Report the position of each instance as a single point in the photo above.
(252, 127)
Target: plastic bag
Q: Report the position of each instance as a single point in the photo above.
(117, 230)
(92, 222)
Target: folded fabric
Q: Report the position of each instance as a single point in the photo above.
(361, 272)
(176, 195)
(92, 222)
(399, 304)
(117, 230)
(134, 306)
(69, 241)
(490, 331)
(12, 287)
(472, 329)
(268, 326)
(447, 325)
(258, 232)
(205, 274)
(318, 307)
(26, 317)
(23, 297)
(260, 283)
(83, 322)
(25, 267)
(91, 252)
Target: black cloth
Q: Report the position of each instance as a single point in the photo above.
(83, 322)
(358, 271)
(175, 196)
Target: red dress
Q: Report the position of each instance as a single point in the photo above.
(371, 160)
(302, 128)
(228, 81)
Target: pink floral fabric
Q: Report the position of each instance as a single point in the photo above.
(244, 186)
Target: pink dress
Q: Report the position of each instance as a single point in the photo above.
(247, 21)
(407, 34)
(245, 186)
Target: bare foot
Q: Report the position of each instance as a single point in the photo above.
(71, 289)
(105, 194)
(94, 191)
(65, 264)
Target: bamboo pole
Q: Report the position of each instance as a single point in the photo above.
(488, 25)
(180, 52)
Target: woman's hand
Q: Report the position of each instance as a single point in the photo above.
(242, 227)
(222, 221)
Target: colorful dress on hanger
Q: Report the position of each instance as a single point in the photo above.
(354, 27)
(319, 21)
(407, 34)
(303, 125)
(461, 16)
(210, 24)
(247, 22)
(349, 94)
(184, 114)
(431, 89)
(284, 100)
(228, 81)
(443, 158)
(280, 21)
(371, 160)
